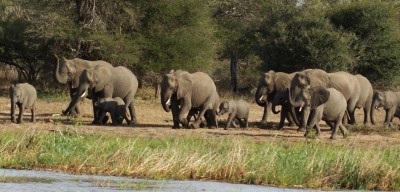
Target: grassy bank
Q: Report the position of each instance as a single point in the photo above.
(234, 159)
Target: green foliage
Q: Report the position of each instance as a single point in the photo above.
(179, 35)
(153, 37)
(301, 38)
(376, 26)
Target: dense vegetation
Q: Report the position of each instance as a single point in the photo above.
(221, 37)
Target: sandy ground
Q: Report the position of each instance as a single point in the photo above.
(153, 121)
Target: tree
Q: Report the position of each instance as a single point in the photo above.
(376, 26)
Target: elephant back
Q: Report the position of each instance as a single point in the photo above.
(345, 83)
(203, 88)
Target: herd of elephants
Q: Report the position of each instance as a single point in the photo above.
(306, 97)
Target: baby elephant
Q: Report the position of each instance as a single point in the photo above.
(237, 109)
(24, 96)
(115, 106)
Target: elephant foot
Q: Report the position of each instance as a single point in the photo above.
(263, 121)
(194, 126)
(333, 137)
(96, 122)
(212, 127)
(301, 129)
(202, 125)
(176, 127)
(226, 128)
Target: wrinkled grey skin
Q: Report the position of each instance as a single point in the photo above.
(365, 99)
(390, 101)
(344, 82)
(325, 104)
(237, 109)
(269, 85)
(106, 83)
(70, 70)
(115, 106)
(281, 98)
(24, 96)
(181, 91)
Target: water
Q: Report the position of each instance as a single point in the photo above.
(28, 180)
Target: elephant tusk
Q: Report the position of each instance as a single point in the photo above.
(83, 94)
(168, 102)
(261, 98)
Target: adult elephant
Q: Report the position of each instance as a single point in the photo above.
(344, 82)
(70, 70)
(182, 91)
(104, 82)
(269, 85)
(365, 99)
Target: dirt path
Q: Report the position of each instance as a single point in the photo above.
(155, 122)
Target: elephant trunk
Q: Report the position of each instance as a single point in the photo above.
(12, 109)
(273, 107)
(374, 106)
(292, 99)
(60, 77)
(261, 96)
(81, 93)
(166, 100)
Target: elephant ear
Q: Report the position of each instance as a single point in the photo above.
(319, 96)
(184, 81)
(99, 77)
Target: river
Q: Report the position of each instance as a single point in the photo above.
(30, 180)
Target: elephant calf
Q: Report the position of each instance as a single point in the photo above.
(237, 109)
(24, 96)
(115, 106)
(390, 101)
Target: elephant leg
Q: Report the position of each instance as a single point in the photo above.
(95, 112)
(33, 119)
(284, 114)
(351, 107)
(333, 136)
(101, 117)
(289, 118)
(185, 108)
(367, 114)
(389, 116)
(230, 118)
(305, 114)
(293, 115)
(175, 112)
(313, 121)
(13, 108)
(343, 130)
(114, 119)
(212, 119)
(267, 108)
(234, 121)
(21, 112)
(132, 112)
(246, 123)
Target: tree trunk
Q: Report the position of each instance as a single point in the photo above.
(233, 67)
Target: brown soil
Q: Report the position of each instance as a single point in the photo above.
(153, 121)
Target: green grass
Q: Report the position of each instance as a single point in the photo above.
(4, 179)
(309, 164)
